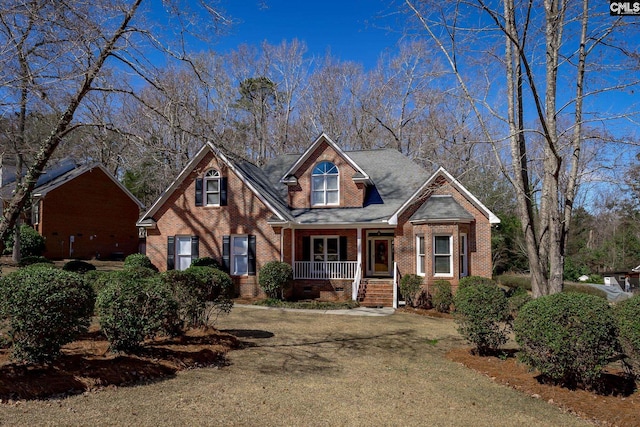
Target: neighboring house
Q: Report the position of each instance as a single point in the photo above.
(82, 212)
(350, 223)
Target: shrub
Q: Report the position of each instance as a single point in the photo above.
(41, 265)
(627, 314)
(132, 310)
(585, 289)
(480, 313)
(45, 308)
(474, 281)
(567, 337)
(97, 279)
(78, 266)
(202, 294)
(31, 242)
(275, 278)
(29, 260)
(410, 284)
(139, 260)
(206, 262)
(517, 298)
(514, 281)
(442, 297)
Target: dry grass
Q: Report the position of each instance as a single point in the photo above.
(311, 370)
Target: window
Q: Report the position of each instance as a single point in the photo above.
(35, 213)
(181, 251)
(212, 188)
(325, 249)
(420, 256)
(463, 256)
(325, 185)
(442, 256)
(240, 255)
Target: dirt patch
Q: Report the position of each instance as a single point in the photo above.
(617, 406)
(86, 364)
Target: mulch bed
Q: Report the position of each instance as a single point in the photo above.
(86, 365)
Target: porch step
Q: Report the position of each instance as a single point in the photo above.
(376, 293)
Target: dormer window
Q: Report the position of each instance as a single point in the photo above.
(325, 185)
(212, 188)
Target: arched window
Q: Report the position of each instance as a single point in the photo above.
(212, 188)
(325, 185)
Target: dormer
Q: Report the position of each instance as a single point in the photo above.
(324, 176)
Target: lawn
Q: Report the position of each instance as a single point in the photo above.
(313, 370)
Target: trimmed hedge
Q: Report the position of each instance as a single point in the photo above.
(78, 266)
(29, 260)
(275, 278)
(45, 308)
(410, 284)
(514, 281)
(475, 281)
(206, 262)
(481, 311)
(585, 289)
(442, 296)
(627, 314)
(567, 337)
(31, 242)
(132, 310)
(139, 260)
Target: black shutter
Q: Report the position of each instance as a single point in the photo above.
(198, 191)
(252, 255)
(306, 248)
(195, 253)
(226, 253)
(171, 246)
(343, 248)
(223, 191)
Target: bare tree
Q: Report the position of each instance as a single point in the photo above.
(54, 54)
(541, 49)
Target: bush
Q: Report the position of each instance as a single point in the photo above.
(475, 281)
(627, 314)
(480, 313)
(45, 308)
(442, 297)
(517, 298)
(31, 242)
(567, 337)
(206, 262)
(132, 310)
(139, 260)
(78, 266)
(41, 265)
(29, 260)
(513, 281)
(275, 278)
(410, 284)
(585, 289)
(97, 279)
(202, 294)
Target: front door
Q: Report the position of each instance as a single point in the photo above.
(380, 260)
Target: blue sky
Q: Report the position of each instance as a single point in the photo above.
(352, 30)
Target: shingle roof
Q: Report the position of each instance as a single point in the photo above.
(441, 208)
(48, 176)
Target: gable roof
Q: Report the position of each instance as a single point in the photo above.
(248, 173)
(360, 174)
(61, 173)
(441, 172)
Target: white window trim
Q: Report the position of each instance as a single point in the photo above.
(325, 255)
(232, 254)
(450, 255)
(464, 255)
(211, 175)
(178, 256)
(421, 258)
(324, 190)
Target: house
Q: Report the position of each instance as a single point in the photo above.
(350, 223)
(82, 212)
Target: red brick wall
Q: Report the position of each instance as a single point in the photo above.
(93, 209)
(351, 194)
(244, 214)
(478, 239)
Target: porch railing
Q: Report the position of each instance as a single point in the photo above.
(324, 270)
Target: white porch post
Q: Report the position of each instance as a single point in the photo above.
(354, 290)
